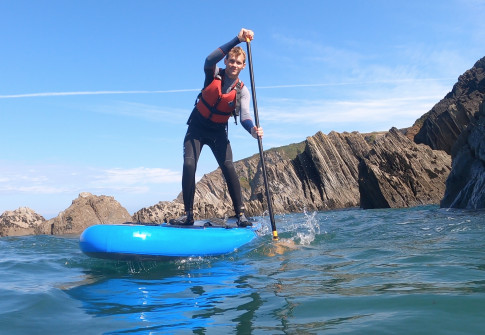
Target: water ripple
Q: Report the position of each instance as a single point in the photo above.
(404, 271)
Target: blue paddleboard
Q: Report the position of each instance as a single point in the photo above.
(145, 242)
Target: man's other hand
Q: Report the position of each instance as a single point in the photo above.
(255, 132)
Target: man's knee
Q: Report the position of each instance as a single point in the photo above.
(189, 163)
(228, 165)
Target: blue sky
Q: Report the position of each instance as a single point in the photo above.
(94, 95)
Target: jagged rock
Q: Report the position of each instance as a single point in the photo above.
(442, 125)
(162, 212)
(399, 173)
(320, 173)
(465, 186)
(22, 221)
(85, 211)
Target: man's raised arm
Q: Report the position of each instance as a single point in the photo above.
(217, 55)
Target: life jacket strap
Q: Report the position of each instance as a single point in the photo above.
(236, 111)
(212, 109)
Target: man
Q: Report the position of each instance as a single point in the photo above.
(223, 96)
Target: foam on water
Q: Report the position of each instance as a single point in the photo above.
(302, 230)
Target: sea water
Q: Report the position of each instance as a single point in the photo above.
(393, 271)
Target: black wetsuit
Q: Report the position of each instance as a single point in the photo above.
(202, 132)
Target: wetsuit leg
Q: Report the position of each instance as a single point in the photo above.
(192, 149)
(221, 148)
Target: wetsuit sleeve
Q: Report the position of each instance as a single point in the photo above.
(210, 65)
(245, 116)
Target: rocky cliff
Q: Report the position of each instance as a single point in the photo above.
(320, 173)
(22, 221)
(85, 211)
(465, 187)
(442, 125)
(399, 173)
(338, 170)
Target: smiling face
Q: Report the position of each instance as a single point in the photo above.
(234, 64)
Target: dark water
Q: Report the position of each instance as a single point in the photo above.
(408, 271)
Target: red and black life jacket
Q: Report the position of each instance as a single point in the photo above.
(219, 107)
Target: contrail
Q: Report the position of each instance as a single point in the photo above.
(54, 94)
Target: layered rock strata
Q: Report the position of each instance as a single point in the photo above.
(465, 186)
(320, 173)
(85, 211)
(22, 221)
(399, 173)
(442, 125)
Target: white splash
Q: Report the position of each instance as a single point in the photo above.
(307, 231)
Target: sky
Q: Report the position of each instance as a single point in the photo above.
(94, 95)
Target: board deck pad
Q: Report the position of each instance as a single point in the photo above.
(207, 223)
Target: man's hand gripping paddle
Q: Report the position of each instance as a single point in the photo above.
(260, 143)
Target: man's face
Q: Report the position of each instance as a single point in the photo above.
(234, 65)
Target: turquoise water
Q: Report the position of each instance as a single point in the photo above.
(406, 271)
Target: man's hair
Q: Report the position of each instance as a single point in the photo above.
(237, 51)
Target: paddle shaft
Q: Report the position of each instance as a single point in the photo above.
(260, 143)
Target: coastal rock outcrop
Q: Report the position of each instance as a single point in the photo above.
(442, 125)
(338, 170)
(399, 173)
(22, 221)
(162, 212)
(85, 211)
(465, 186)
(317, 174)
(320, 173)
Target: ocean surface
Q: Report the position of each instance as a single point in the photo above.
(393, 271)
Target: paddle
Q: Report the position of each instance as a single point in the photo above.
(260, 142)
